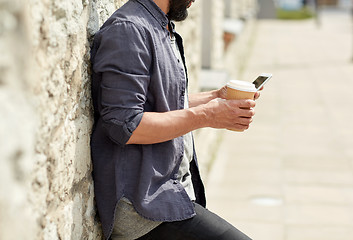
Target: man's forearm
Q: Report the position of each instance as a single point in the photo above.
(197, 99)
(160, 127)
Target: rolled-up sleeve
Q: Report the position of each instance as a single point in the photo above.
(123, 60)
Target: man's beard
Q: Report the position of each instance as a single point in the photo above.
(178, 10)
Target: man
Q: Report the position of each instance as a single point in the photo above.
(147, 183)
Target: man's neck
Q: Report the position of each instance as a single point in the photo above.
(163, 5)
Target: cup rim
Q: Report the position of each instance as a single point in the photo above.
(240, 88)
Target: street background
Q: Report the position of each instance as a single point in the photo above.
(290, 176)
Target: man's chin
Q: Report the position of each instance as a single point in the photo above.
(178, 9)
(179, 18)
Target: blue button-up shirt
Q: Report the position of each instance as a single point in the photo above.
(136, 71)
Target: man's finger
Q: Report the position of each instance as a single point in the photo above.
(248, 103)
(244, 103)
(246, 113)
(257, 95)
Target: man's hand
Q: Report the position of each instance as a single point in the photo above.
(257, 94)
(232, 114)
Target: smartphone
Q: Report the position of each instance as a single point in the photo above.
(261, 80)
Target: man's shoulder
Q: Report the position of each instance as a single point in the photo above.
(133, 21)
(131, 13)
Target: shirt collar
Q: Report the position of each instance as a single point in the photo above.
(172, 27)
(155, 11)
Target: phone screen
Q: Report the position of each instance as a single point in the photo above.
(259, 81)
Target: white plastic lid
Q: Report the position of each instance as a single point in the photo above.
(241, 86)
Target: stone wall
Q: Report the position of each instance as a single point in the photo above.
(62, 188)
(46, 185)
(17, 124)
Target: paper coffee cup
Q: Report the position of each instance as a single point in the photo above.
(237, 89)
(240, 90)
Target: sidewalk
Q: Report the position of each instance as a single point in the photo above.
(290, 176)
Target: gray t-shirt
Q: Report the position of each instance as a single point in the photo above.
(184, 175)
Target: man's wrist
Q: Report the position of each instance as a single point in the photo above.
(200, 116)
(216, 94)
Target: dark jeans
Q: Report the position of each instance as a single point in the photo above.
(204, 226)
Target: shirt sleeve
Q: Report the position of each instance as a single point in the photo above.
(123, 60)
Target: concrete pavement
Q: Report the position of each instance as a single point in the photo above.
(290, 176)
